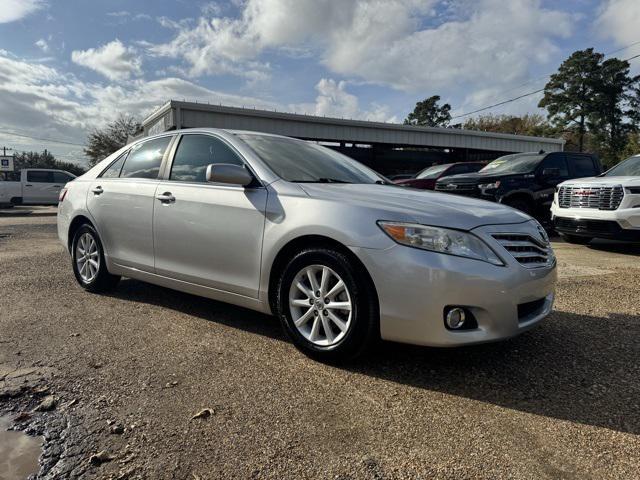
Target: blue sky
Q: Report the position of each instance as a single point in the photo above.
(69, 66)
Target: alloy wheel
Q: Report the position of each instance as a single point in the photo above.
(320, 305)
(87, 257)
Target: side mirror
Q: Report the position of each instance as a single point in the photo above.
(229, 174)
(550, 173)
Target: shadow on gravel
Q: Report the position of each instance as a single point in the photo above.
(577, 368)
(218, 312)
(625, 248)
(23, 212)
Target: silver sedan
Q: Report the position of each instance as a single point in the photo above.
(294, 229)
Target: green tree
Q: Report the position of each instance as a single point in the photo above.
(103, 142)
(532, 124)
(568, 95)
(429, 114)
(44, 160)
(613, 116)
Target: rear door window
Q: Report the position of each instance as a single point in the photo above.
(556, 161)
(456, 170)
(145, 158)
(36, 176)
(582, 166)
(61, 177)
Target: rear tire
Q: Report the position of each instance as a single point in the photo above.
(331, 320)
(576, 239)
(88, 263)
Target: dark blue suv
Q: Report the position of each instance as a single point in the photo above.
(525, 181)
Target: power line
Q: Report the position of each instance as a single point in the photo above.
(536, 91)
(42, 139)
(606, 54)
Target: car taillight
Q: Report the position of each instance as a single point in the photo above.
(63, 193)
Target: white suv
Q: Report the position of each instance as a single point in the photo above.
(606, 206)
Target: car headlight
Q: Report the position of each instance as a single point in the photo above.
(489, 186)
(442, 240)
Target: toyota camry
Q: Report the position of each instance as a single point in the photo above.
(297, 230)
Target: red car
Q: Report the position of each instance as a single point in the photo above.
(426, 179)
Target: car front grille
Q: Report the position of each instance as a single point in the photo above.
(601, 198)
(529, 251)
(595, 226)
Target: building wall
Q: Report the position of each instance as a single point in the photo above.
(394, 148)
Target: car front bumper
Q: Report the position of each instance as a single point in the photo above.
(415, 287)
(620, 224)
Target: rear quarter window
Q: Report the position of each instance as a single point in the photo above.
(113, 170)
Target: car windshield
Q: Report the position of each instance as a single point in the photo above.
(517, 163)
(432, 172)
(300, 161)
(627, 168)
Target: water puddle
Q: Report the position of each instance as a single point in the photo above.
(18, 453)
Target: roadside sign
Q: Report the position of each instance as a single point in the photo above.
(6, 163)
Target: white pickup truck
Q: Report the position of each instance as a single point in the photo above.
(606, 206)
(32, 186)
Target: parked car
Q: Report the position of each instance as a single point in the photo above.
(32, 186)
(426, 179)
(291, 228)
(606, 206)
(525, 181)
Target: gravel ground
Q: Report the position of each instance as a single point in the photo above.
(128, 371)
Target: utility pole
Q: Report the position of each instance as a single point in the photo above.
(4, 151)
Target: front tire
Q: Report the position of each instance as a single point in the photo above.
(327, 305)
(89, 266)
(575, 239)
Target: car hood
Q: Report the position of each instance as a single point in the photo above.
(604, 181)
(426, 207)
(475, 177)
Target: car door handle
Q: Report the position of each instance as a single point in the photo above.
(97, 190)
(166, 197)
(29, 185)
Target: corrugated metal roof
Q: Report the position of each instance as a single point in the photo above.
(190, 114)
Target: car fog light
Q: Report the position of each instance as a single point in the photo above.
(455, 318)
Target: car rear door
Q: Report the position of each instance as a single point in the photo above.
(206, 233)
(39, 188)
(121, 201)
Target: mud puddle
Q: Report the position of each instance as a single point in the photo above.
(18, 453)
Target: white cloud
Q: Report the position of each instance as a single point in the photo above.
(619, 19)
(51, 104)
(12, 10)
(399, 43)
(113, 60)
(42, 45)
(496, 43)
(333, 100)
